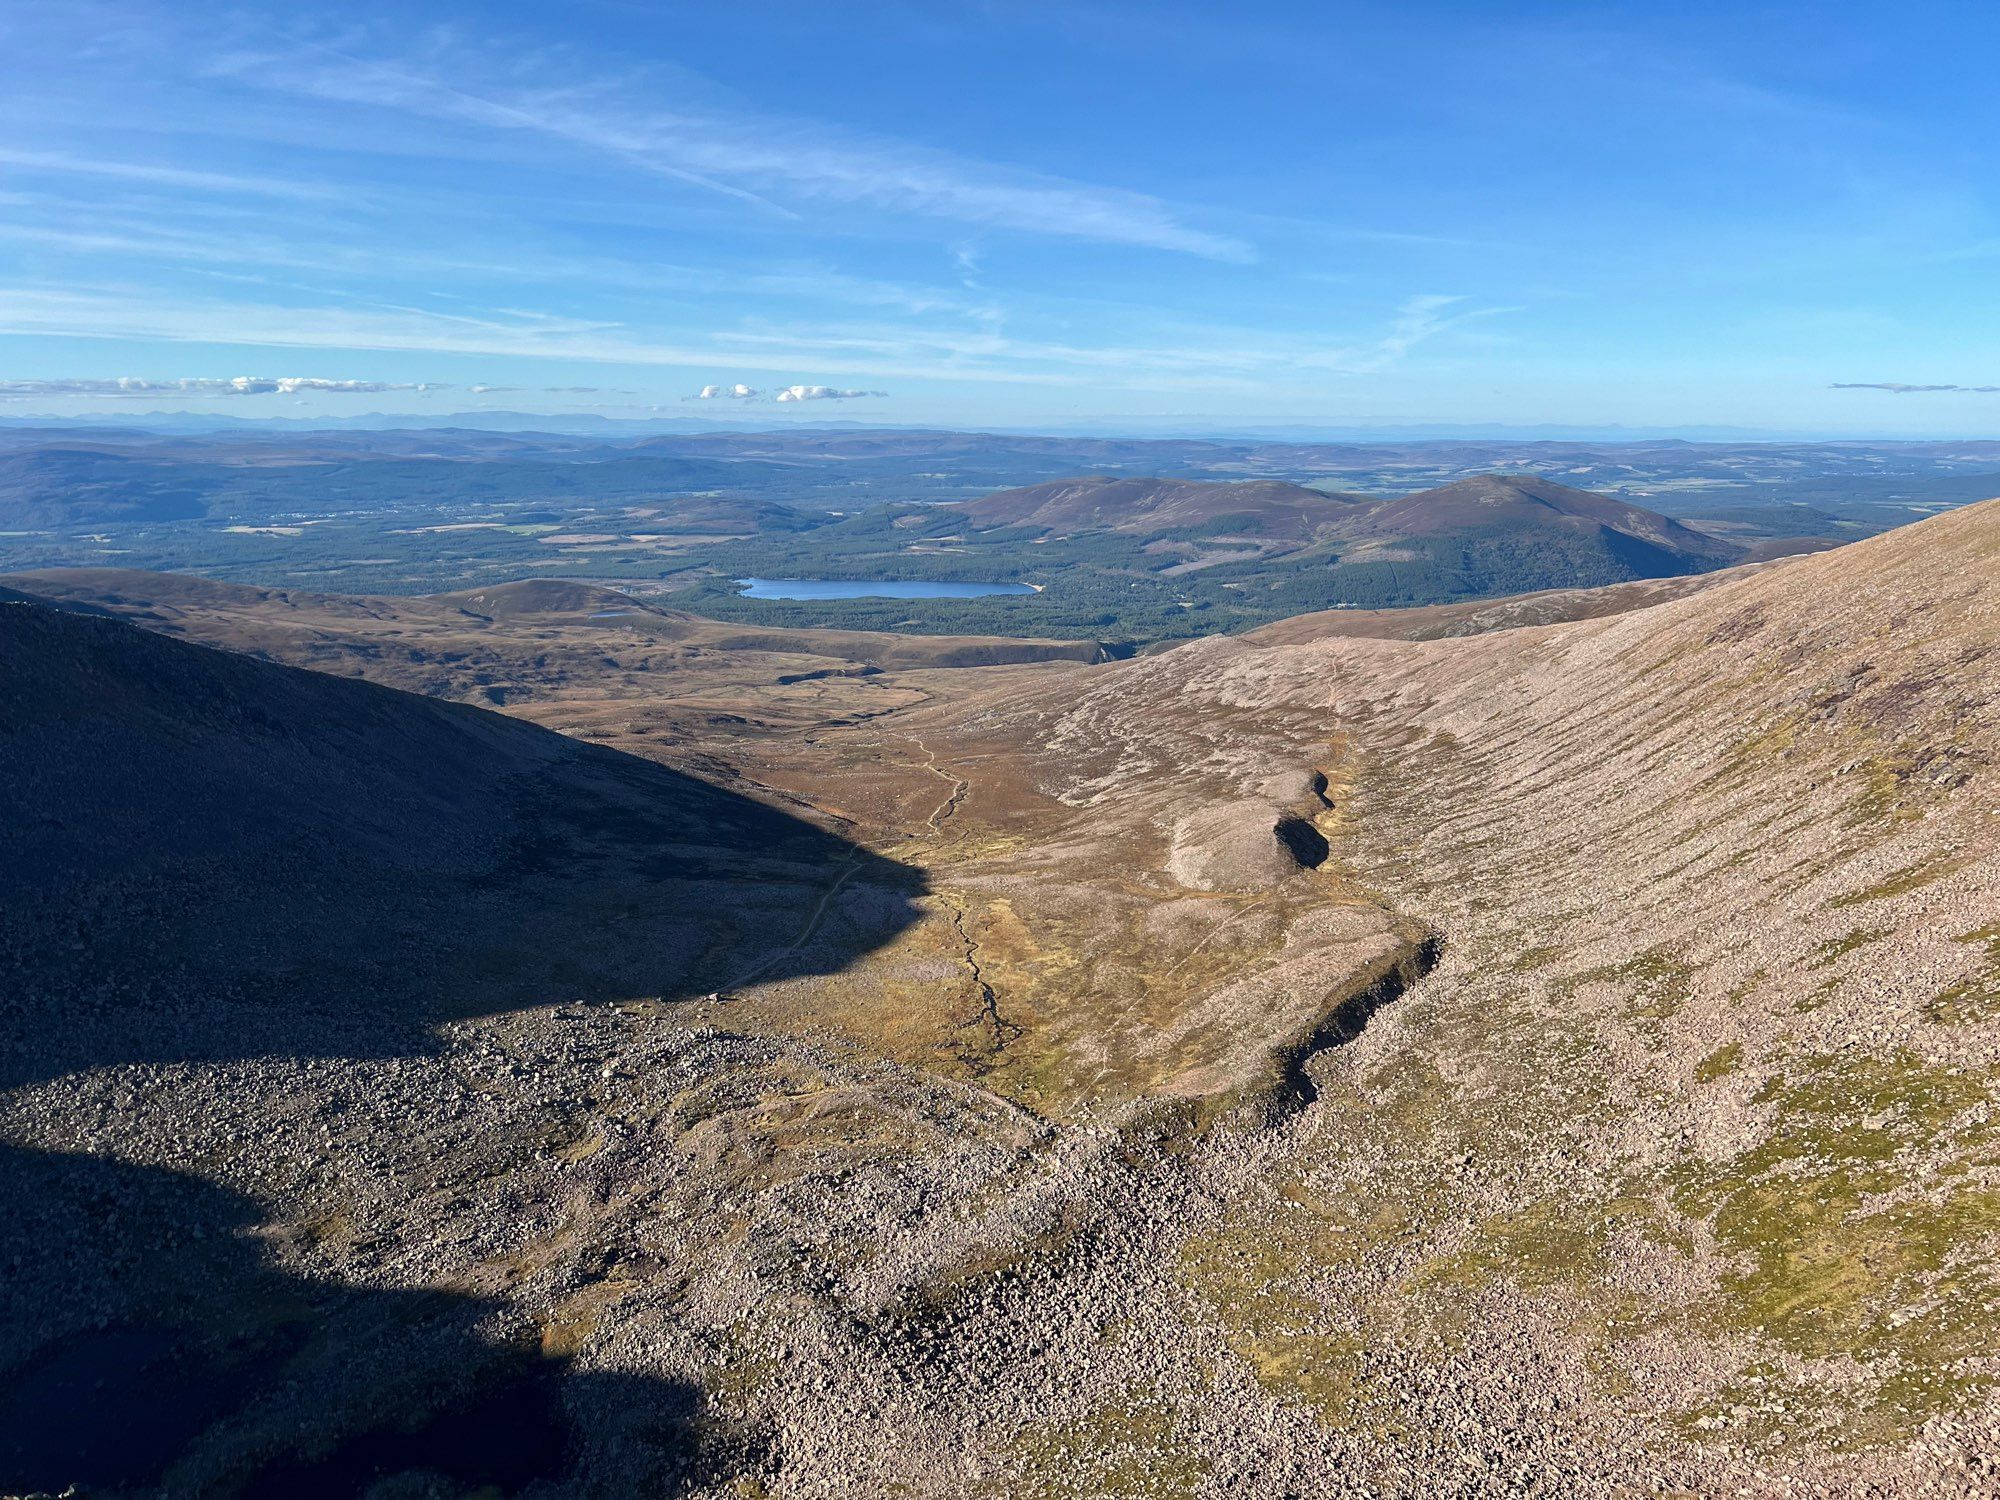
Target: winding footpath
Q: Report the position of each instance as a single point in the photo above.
(1003, 1030)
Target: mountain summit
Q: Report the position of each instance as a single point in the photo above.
(1522, 504)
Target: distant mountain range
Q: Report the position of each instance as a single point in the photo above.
(58, 474)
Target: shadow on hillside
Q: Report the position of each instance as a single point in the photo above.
(212, 858)
(181, 1364)
(215, 857)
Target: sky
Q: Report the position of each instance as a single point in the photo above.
(1128, 216)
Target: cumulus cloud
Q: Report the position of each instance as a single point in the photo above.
(822, 393)
(240, 385)
(725, 393)
(1897, 387)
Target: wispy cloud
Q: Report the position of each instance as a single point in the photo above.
(1422, 318)
(823, 393)
(546, 390)
(1200, 352)
(130, 240)
(1897, 387)
(239, 385)
(63, 164)
(755, 159)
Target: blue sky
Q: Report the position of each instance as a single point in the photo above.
(1008, 214)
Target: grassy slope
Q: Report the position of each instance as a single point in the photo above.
(1697, 1115)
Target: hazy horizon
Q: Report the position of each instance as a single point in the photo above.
(1133, 429)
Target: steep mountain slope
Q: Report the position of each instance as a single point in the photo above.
(1706, 1084)
(192, 823)
(1680, 1165)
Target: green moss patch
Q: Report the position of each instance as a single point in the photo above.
(1834, 949)
(1719, 1064)
(1126, 1450)
(1902, 882)
(1658, 982)
(1831, 1266)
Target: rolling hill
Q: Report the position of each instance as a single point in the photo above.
(1504, 534)
(1508, 505)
